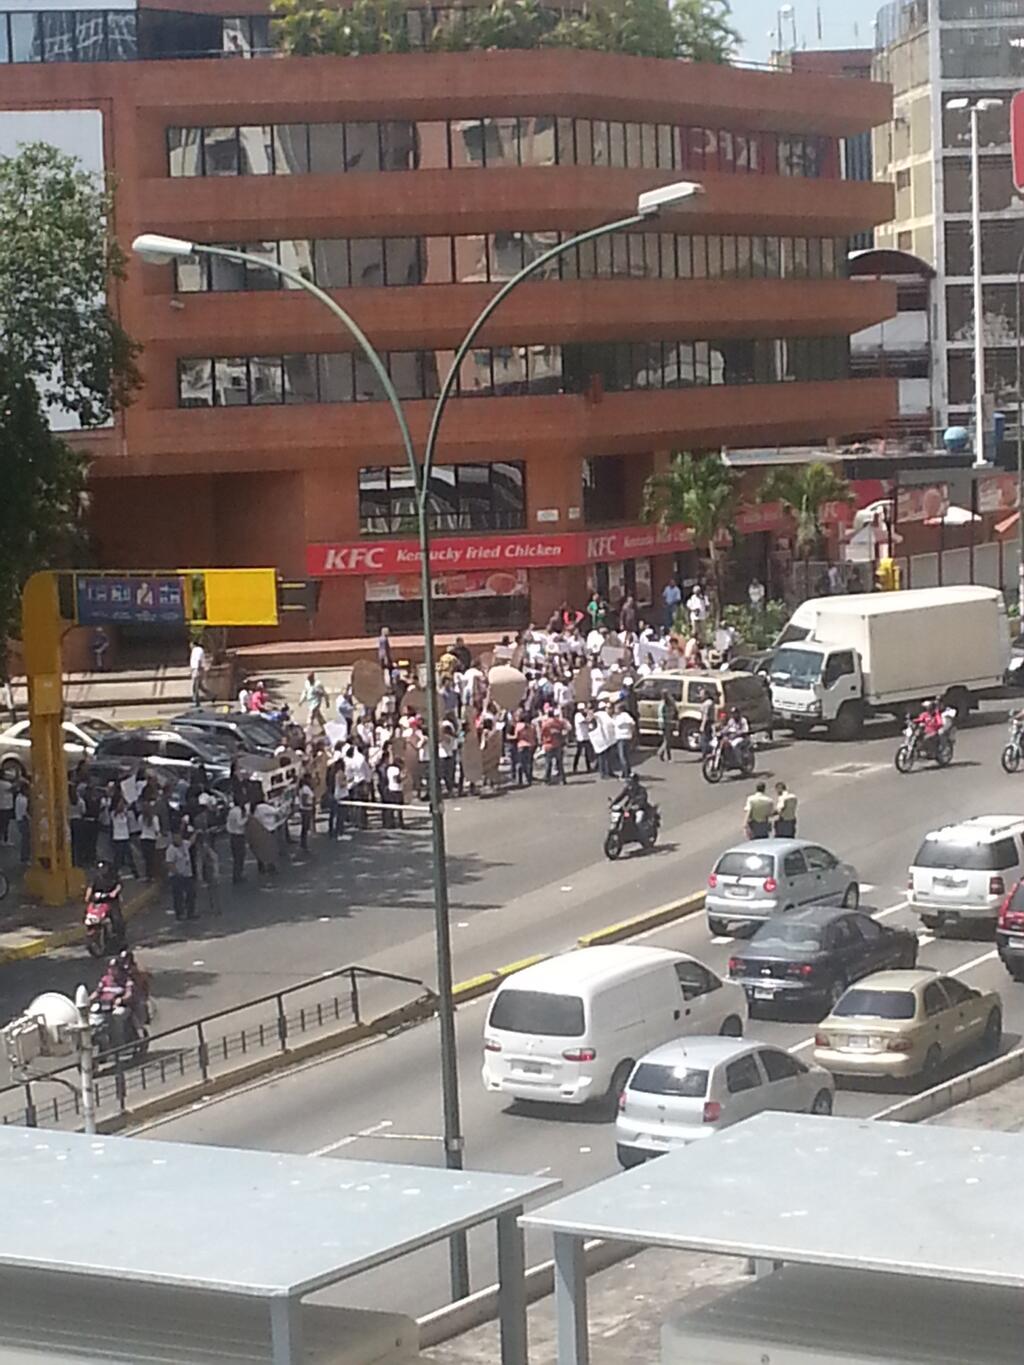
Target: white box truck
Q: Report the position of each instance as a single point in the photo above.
(841, 660)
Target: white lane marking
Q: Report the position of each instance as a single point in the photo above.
(353, 1137)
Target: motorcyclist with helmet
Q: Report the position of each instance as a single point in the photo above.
(736, 734)
(116, 995)
(106, 886)
(140, 980)
(633, 800)
(930, 723)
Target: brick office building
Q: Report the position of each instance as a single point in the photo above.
(412, 183)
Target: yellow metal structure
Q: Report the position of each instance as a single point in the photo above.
(215, 597)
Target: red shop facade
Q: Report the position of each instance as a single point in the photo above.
(498, 581)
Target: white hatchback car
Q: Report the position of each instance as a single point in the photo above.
(962, 872)
(687, 1090)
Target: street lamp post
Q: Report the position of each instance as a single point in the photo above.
(1020, 438)
(977, 108)
(159, 250)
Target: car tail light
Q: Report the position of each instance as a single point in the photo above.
(491, 1045)
(712, 881)
(712, 1111)
(1010, 919)
(622, 1102)
(580, 1054)
(996, 886)
(821, 1040)
(735, 965)
(899, 1045)
(770, 884)
(910, 883)
(800, 969)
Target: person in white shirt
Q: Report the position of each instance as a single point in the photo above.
(243, 699)
(472, 685)
(597, 676)
(182, 878)
(697, 609)
(602, 739)
(358, 777)
(307, 812)
(149, 837)
(394, 793)
(595, 640)
(197, 669)
(120, 837)
(236, 822)
(625, 733)
(562, 694)
(582, 724)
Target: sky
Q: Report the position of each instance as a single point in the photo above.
(844, 23)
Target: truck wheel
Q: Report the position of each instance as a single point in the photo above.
(849, 723)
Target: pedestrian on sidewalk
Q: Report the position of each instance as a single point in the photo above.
(758, 813)
(149, 838)
(525, 739)
(6, 808)
(197, 671)
(100, 648)
(307, 811)
(583, 724)
(236, 823)
(394, 792)
(314, 699)
(182, 877)
(668, 715)
(23, 824)
(706, 726)
(120, 836)
(385, 657)
(602, 740)
(785, 812)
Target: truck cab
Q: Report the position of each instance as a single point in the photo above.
(812, 683)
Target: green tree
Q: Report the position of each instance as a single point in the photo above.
(805, 491)
(698, 492)
(57, 259)
(703, 31)
(42, 481)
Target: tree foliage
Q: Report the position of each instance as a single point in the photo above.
(42, 481)
(805, 491)
(698, 30)
(699, 492)
(57, 258)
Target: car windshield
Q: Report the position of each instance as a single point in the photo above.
(806, 937)
(796, 667)
(95, 728)
(559, 1016)
(946, 853)
(867, 1004)
(746, 865)
(686, 1082)
(215, 748)
(258, 730)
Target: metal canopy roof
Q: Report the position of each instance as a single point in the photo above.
(255, 1224)
(850, 1193)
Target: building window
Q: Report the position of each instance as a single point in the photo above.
(461, 497)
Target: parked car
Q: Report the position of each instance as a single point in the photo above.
(81, 735)
(689, 688)
(962, 872)
(568, 1030)
(1010, 932)
(902, 1024)
(810, 956)
(755, 880)
(252, 734)
(685, 1091)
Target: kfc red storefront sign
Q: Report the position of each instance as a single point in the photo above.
(499, 553)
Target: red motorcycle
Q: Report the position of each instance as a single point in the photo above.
(104, 932)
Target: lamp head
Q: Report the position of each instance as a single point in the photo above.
(158, 250)
(653, 202)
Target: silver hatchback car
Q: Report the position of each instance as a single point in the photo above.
(688, 1089)
(757, 879)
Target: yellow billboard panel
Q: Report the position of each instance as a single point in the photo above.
(239, 597)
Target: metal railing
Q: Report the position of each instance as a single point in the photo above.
(209, 1048)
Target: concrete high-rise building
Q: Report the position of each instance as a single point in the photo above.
(934, 52)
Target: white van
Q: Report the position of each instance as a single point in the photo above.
(569, 1030)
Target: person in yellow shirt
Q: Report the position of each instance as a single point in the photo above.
(785, 812)
(758, 813)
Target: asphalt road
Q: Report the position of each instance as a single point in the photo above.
(533, 887)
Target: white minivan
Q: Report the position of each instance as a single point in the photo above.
(569, 1030)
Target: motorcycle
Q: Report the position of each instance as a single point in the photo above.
(728, 755)
(102, 936)
(624, 828)
(1011, 756)
(115, 1029)
(917, 745)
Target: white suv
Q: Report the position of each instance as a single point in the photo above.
(962, 872)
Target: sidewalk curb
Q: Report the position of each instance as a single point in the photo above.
(62, 938)
(948, 1094)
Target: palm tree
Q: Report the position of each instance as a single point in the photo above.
(805, 491)
(698, 492)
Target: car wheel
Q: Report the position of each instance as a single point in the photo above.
(1016, 972)
(822, 1102)
(12, 770)
(851, 897)
(732, 1027)
(629, 1157)
(610, 1100)
(993, 1034)
(689, 737)
(932, 1064)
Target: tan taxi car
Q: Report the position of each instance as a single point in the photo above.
(688, 689)
(907, 1023)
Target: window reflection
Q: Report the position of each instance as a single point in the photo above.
(367, 257)
(291, 148)
(195, 383)
(326, 148)
(501, 141)
(265, 379)
(362, 147)
(336, 378)
(231, 382)
(220, 151)
(300, 379)
(330, 264)
(537, 141)
(57, 32)
(184, 150)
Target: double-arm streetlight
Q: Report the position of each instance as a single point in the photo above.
(977, 108)
(161, 250)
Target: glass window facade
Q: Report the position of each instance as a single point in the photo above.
(68, 36)
(400, 145)
(511, 371)
(462, 497)
(475, 258)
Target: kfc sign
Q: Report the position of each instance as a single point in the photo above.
(1017, 138)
